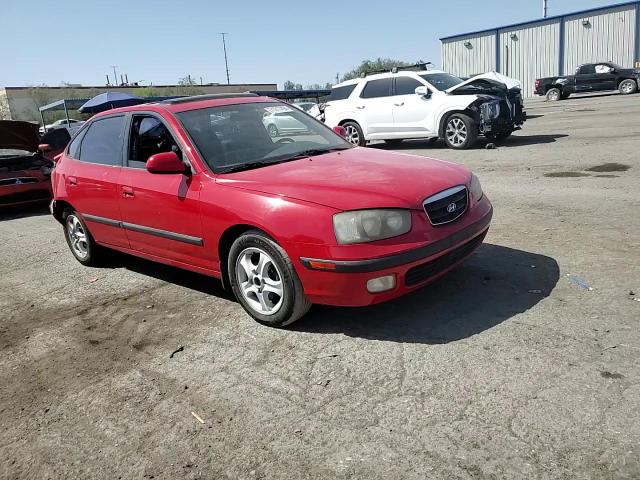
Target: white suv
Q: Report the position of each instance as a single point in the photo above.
(426, 104)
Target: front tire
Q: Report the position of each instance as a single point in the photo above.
(81, 243)
(353, 134)
(460, 132)
(554, 94)
(264, 281)
(627, 87)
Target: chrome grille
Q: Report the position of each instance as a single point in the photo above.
(446, 206)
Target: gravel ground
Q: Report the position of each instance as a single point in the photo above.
(522, 363)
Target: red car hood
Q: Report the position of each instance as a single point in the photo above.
(354, 179)
(18, 135)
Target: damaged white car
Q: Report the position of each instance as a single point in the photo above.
(400, 105)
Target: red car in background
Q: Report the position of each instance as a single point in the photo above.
(24, 171)
(284, 221)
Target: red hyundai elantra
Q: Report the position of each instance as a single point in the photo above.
(285, 220)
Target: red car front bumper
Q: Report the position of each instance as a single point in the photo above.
(346, 283)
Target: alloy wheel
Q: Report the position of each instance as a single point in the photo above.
(456, 132)
(626, 87)
(352, 135)
(259, 281)
(77, 237)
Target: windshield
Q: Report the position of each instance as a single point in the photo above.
(252, 135)
(442, 81)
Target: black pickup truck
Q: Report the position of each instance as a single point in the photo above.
(590, 77)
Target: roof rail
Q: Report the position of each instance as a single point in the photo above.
(416, 67)
(212, 96)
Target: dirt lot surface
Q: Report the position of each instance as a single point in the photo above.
(522, 363)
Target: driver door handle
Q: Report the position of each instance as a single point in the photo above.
(360, 107)
(72, 181)
(399, 104)
(127, 191)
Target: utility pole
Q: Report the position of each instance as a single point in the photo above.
(544, 8)
(115, 77)
(337, 78)
(226, 63)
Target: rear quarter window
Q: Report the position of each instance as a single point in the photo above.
(341, 93)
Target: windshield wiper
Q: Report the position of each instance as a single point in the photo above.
(311, 152)
(243, 166)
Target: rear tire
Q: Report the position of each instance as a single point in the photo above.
(627, 87)
(264, 281)
(81, 243)
(554, 94)
(353, 133)
(460, 132)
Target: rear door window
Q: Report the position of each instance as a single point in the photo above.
(406, 86)
(102, 143)
(377, 88)
(587, 70)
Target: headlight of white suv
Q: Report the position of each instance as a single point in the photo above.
(361, 226)
(475, 188)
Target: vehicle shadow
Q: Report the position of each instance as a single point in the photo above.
(521, 140)
(166, 273)
(493, 285)
(35, 210)
(513, 141)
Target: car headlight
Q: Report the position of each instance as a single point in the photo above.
(475, 188)
(361, 226)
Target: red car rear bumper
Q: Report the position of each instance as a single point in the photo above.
(346, 283)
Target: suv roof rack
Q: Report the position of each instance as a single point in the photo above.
(416, 67)
(212, 96)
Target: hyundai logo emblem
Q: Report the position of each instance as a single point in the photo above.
(451, 207)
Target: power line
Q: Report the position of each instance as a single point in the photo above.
(226, 63)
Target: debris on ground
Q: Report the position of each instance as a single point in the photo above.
(614, 376)
(149, 306)
(331, 355)
(195, 415)
(179, 349)
(324, 383)
(579, 282)
(92, 280)
(490, 146)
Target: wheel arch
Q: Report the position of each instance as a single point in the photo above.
(59, 206)
(445, 117)
(230, 235)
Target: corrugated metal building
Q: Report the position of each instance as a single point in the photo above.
(548, 47)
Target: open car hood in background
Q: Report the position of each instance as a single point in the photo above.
(16, 135)
(494, 78)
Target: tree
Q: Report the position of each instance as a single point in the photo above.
(372, 65)
(186, 81)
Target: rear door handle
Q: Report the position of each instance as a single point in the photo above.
(360, 106)
(72, 180)
(127, 191)
(399, 104)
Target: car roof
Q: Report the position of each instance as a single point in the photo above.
(197, 102)
(377, 76)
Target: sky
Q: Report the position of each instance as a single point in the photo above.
(77, 41)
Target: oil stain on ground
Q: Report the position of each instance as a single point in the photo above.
(609, 167)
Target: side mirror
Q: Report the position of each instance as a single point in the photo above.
(423, 91)
(165, 162)
(340, 131)
(44, 147)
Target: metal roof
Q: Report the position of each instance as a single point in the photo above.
(531, 22)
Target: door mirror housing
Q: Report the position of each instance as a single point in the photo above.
(166, 162)
(423, 91)
(340, 131)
